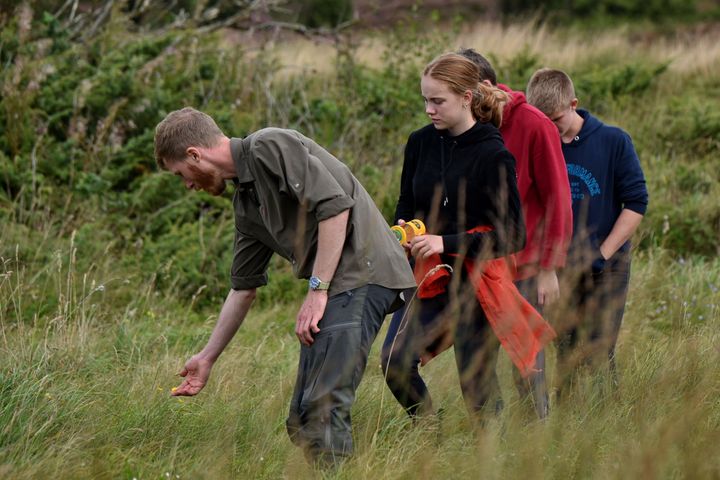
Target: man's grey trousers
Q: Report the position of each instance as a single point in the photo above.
(330, 371)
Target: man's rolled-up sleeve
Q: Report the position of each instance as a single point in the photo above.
(250, 262)
(302, 174)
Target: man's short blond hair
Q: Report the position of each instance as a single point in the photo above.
(182, 129)
(550, 90)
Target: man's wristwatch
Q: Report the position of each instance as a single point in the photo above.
(316, 284)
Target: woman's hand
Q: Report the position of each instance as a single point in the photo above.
(424, 246)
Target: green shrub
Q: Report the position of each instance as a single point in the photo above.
(600, 83)
(517, 70)
(693, 125)
(325, 13)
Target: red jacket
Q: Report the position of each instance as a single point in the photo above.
(534, 141)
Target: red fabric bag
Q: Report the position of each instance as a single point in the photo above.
(521, 330)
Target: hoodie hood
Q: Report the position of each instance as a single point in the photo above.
(477, 133)
(590, 125)
(516, 100)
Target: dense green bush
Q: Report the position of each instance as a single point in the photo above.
(325, 13)
(76, 153)
(516, 70)
(603, 82)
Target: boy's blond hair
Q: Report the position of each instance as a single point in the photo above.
(182, 129)
(550, 91)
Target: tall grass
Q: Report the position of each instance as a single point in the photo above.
(110, 276)
(85, 393)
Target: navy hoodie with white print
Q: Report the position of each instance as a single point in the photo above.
(605, 177)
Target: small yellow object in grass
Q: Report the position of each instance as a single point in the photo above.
(173, 389)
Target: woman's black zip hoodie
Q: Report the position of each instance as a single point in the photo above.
(457, 183)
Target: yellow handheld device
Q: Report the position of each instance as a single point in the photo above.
(410, 230)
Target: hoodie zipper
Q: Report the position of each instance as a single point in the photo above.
(444, 168)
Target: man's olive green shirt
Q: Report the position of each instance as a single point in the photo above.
(286, 184)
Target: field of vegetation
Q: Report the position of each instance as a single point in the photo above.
(112, 274)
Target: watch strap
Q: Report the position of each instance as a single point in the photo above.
(317, 284)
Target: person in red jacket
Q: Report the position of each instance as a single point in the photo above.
(544, 188)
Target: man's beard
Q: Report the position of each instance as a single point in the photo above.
(210, 181)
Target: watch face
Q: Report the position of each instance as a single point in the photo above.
(317, 284)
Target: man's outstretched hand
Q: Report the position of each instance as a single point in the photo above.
(196, 372)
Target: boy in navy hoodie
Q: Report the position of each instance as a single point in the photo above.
(609, 199)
